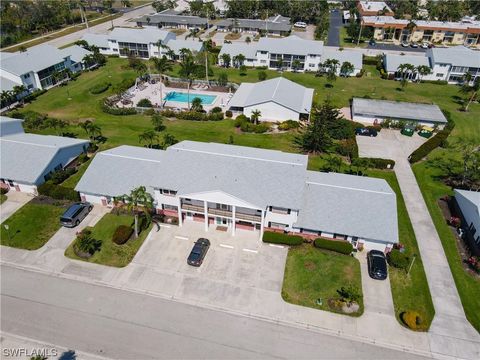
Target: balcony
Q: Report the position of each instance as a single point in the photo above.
(189, 207)
(213, 211)
(248, 217)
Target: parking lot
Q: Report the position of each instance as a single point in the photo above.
(388, 144)
(237, 272)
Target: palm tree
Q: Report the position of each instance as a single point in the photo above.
(86, 127)
(184, 52)
(148, 137)
(187, 71)
(248, 40)
(197, 104)
(226, 60)
(95, 131)
(141, 69)
(7, 97)
(138, 199)
(331, 65)
(467, 88)
(171, 54)
(405, 70)
(423, 70)
(347, 68)
(18, 90)
(162, 65)
(160, 46)
(255, 115)
(296, 64)
(238, 60)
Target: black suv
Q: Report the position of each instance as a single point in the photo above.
(198, 252)
(365, 132)
(75, 214)
(377, 265)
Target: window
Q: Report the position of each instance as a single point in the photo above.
(26, 76)
(439, 75)
(311, 65)
(275, 225)
(263, 52)
(168, 192)
(279, 210)
(340, 236)
(169, 207)
(263, 61)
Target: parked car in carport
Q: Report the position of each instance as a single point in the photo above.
(377, 265)
(74, 215)
(425, 132)
(366, 131)
(198, 252)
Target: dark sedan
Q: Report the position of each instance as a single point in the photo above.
(377, 265)
(198, 252)
(366, 132)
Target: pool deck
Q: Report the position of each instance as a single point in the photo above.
(152, 93)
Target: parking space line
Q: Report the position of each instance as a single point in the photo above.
(181, 237)
(250, 250)
(277, 246)
(165, 226)
(226, 246)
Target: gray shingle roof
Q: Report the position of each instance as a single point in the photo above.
(99, 40)
(398, 110)
(457, 56)
(291, 45)
(353, 57)
(326, 201)
(7, 84)
(37, 151)
(279, 90)
(34, 59)
(392, 62)
(170, 18)
(177, 45)
(234, 49)
(348, 204)
(76, 53)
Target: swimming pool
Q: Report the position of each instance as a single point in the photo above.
(183, 97)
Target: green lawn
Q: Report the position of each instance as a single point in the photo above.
(73, 180)
(311, 274)
(346, 41)
(31, 226)
(3, 198)
(409, 292)
(110, 253)
(468, 287)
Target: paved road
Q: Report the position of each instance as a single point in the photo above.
(120, 324)
(334, 28)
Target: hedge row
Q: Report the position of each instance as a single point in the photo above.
(100, 88)
(342, 247)
(379, 163)
(428, 146)
(281, 238)
(58, 192)
(117, 111)
(200, 116)
(122, 234)
(398, 259)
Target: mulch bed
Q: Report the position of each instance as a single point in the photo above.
(46, 200)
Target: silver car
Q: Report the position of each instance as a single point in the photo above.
(75, 214)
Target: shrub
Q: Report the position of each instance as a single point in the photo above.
(86, 243)
(289, 124)
(240, 119)
(82, 158)
(122, 234)
(168, 113)
(428, 146)
(144, 103)
(92, 147)
(349, 293)
(216, 109)
(191, 115)
(412, 319)
(124, 85)
(58, 192)
(342, 129)
(228, 114)
(342, 247)
(4, 190)
(100, 88)
(118, 111)
(280, 238)
(370, 60)
(379, 163)
(261, 128)
(61, 175)
(262, 75)
(348, 148)
(436, 82)
(34, 95)
(398, 259)
(216, 116)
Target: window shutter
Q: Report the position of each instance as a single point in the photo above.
(289, 211)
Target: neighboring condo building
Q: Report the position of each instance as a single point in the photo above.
(287, 52)
(34, 67)
(275, 25)
(373, 8)
(143, 43)
(467, 204)
(172, 19)
(27, 160)
(247, 189)
(277, 99)
(387, 28)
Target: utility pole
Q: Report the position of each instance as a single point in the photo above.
(83, 15)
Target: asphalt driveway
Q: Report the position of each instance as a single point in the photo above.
(336, 23)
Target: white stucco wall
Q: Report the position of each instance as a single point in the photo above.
(272, 112)
(371, 120)
(287, 219)
(469, 211)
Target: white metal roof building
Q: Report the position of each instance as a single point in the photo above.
(278, 25)
(372, 111)
(27, 159)
(391, 62)
(248, 187)
(171, 19)
(277, 99)
(468, 202)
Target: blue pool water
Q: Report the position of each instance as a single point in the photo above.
(183, 97)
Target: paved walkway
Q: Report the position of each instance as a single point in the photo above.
(15, 200)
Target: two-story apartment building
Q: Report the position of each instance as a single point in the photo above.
(387, 28)
(290, 53)
(172, 19)
(235, 188)
(143, 43)
(373, 8)
(275, 25)
(28, 159)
